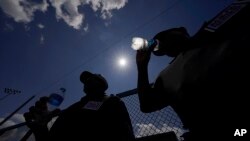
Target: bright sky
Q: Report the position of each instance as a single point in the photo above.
(46, 44)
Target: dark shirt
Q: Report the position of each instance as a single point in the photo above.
(105, 119)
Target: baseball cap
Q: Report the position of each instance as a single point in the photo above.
(86, 75)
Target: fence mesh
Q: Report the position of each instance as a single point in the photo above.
(146, 124)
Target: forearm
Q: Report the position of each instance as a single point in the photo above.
(143, 81)
(148, 99)
(144, 89)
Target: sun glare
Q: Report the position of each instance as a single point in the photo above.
(122, 62)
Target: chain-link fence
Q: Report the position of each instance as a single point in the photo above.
(146, 124)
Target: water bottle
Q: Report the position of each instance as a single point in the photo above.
(55, 99)
(139, 43)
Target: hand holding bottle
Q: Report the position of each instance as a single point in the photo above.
(38, 116)
(142, 58)
(55, 99)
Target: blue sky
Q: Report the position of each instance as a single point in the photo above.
(46, 44)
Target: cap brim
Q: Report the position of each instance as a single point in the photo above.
(85, 76)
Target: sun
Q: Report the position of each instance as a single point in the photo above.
(122, 62)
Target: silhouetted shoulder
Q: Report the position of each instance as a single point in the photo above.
(114, 99)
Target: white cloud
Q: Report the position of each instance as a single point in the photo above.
(86, 28)
(111, 5)
(150, 129)
(106, 6)
(14, 134)
(42, 39)
(41, 26)
(8, 134)
(22, 10)
(146, 130)
(67, 10)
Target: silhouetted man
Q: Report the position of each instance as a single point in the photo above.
(96, 116)
(204, 84)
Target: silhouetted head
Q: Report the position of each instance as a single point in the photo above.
(171, 41)
(94, 84)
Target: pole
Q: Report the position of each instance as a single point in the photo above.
(20, 125)
(11, 127)
(27, 135)
(8, 117)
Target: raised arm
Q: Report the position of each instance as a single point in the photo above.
(143, 86)
(151, 99)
